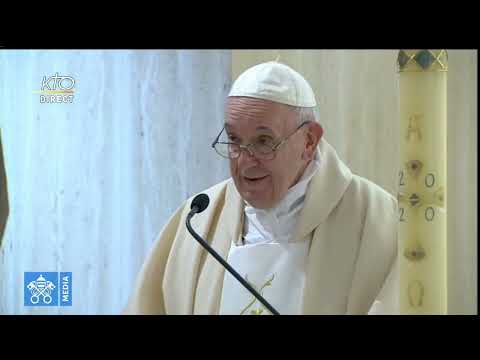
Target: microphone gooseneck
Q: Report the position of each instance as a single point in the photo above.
(199, 204)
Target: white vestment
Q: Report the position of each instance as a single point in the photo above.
(349, 222)
(269, 258)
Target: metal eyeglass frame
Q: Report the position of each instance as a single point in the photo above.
(248, 146)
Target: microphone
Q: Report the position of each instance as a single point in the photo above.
(199, 204)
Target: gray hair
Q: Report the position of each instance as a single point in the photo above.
(307, 114)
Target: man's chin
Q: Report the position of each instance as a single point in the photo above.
(255, 198)
(256, 202)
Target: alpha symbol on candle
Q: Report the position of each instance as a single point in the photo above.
(413, 127)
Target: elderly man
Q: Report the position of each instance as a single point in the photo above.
(306, 233)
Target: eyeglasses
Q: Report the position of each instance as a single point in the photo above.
(263, 149)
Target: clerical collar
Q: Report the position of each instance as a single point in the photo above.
(278, 223)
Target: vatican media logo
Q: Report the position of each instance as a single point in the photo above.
(57, 89)
(47, 289)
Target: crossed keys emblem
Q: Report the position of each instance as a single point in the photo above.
(41, 287)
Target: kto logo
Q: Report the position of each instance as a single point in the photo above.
(57, 89)
(63, 83)
(47, 289)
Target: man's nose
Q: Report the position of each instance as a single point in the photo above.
(247, 156)
(248, 150)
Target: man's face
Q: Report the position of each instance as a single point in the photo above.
(263, 183)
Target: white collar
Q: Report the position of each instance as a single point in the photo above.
(278, 223)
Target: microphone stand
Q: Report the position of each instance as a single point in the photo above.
(225, 264)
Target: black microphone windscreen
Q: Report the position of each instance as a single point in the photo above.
(201, 201)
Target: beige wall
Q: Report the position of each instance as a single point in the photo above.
(357, 93)
(462, 179)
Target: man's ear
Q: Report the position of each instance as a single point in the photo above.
(314, 134)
